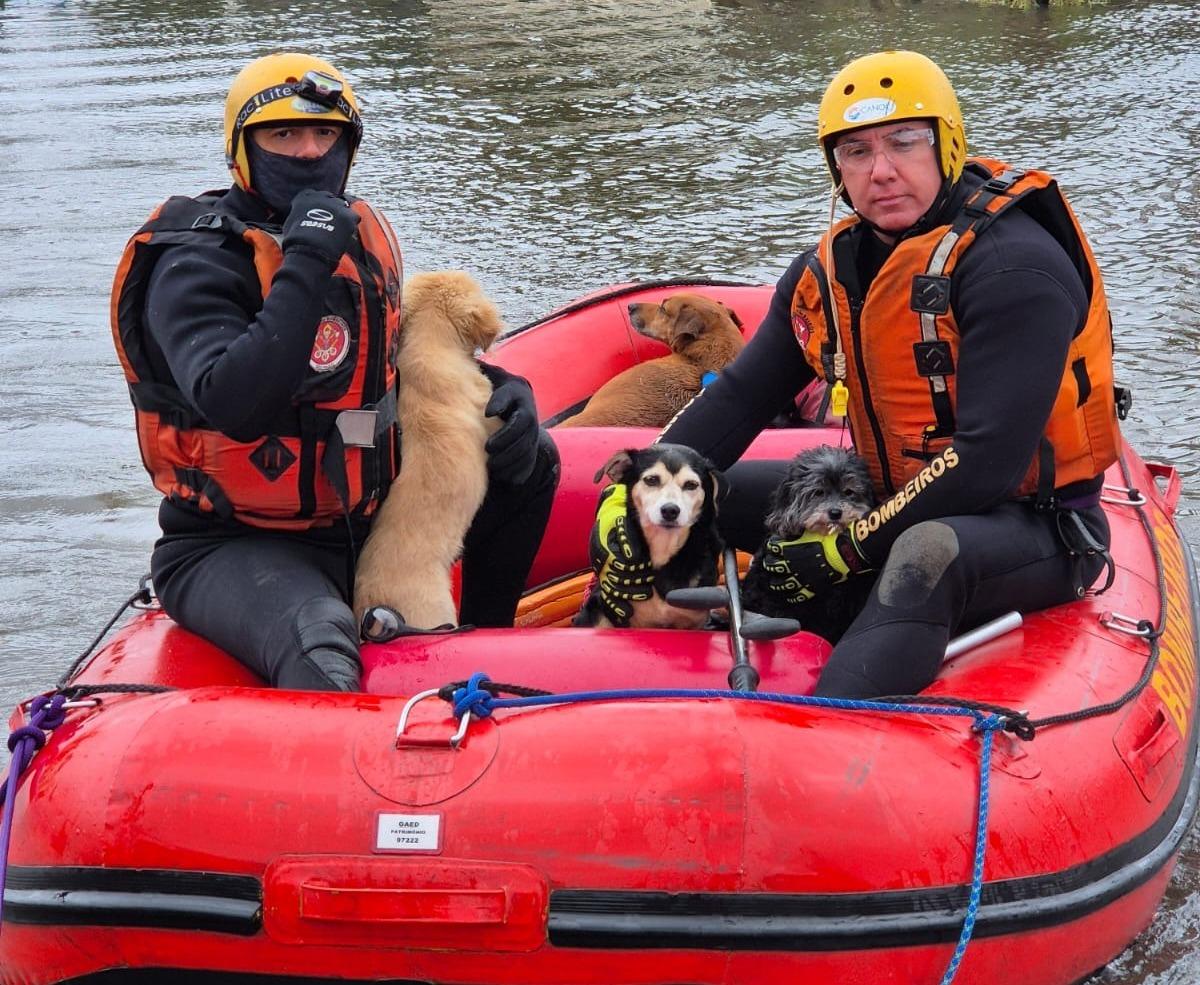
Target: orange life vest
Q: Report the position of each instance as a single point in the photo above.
(901, 348)
(338, 449)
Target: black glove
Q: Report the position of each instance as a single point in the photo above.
(320, 224)
(512, 450)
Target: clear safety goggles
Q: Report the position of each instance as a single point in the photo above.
(899, 146)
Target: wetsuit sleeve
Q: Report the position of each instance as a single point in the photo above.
(237, 359)
(722, 420)
(1019, 302)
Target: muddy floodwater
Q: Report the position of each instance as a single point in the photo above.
(550, 147)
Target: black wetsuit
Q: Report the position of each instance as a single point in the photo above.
(278, 600)
(1018, 300)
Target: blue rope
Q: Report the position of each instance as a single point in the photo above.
(481, 703)
(988, 727)
(474, 699)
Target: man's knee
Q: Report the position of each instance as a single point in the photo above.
(324, 656)
(916, 563)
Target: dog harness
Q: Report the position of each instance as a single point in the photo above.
(337, 449)
(902, 342)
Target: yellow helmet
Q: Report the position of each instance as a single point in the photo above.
(887, 87)
(284, 87)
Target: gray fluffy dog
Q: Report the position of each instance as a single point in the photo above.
(824, 491)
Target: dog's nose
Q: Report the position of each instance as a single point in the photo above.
(835, 513)
(633, 315)
(669, 512)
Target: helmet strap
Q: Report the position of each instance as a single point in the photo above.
(288, 90)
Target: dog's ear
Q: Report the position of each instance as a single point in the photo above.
(478, 321)
(733, 315)
(720, 485)
(487, 324)
(617, 467)
(688, 326)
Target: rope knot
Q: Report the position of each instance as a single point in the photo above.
(473, 698)
(48, 712)
(1020, 726)
(988, 723)
(31, 732)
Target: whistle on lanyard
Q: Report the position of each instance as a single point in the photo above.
(839, 397)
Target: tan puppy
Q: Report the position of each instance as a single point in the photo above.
(418, 532)
(703, 335)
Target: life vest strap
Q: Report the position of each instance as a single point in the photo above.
(181, 214)
(931, 295)
(348, 431)
(975, 212)
(1045, 499)
(167, 402)
(204, 486)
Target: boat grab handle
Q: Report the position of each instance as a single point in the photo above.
(1130, 497)
(1169, 483)
(396, 905)
(1126, 624)
(411, 740)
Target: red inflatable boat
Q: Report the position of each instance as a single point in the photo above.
(663, 830)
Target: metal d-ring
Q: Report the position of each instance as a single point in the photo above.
(453, 741)
(1125, 624)
(145, 597)
(1132, 497)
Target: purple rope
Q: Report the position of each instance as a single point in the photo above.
(46, 714)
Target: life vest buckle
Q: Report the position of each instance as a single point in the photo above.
(358, 428)
(999, 184)
(210, 220)
(1123, 396)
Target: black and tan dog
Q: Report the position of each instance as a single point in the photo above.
(673, 493)
(824, 491)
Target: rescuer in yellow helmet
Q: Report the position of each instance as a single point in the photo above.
(257, 329)
(959, 319)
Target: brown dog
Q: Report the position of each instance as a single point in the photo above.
(418, 532)
(704, 336)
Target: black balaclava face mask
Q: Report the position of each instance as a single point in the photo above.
(276, 178)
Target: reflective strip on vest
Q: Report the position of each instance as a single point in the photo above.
(894, 410)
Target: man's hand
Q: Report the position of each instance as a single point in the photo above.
(621, 562)
(800, 569)
(512, 450)
(319, 223)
